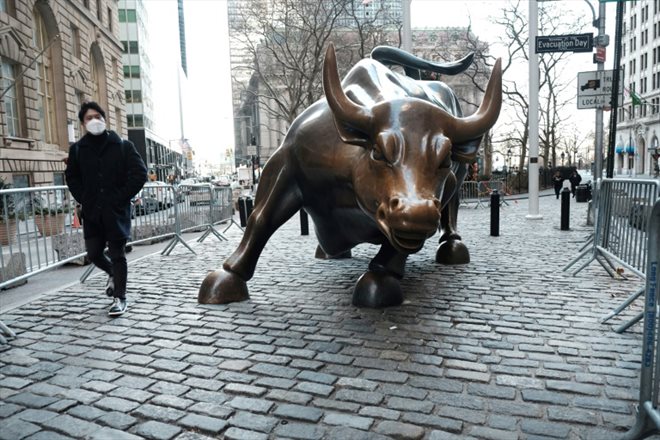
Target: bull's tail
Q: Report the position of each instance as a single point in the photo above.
(412, 64)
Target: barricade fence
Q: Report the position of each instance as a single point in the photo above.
(648, 412)
(621, 232)
(41, 228)
(479, 192)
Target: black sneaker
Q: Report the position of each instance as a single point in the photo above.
(118, 307)
(110, 287)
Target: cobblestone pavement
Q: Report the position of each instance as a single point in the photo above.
(506, 347)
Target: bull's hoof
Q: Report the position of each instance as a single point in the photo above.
(221, 287)
(376, 290)
(452, 252)
(320, 254)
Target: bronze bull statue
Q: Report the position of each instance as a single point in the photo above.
(379, 160)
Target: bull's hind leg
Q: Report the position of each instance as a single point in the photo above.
(379, 287)
(277, 199)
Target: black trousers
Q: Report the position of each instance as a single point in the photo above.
(115, 265)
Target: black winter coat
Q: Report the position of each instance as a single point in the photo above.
(103, 175)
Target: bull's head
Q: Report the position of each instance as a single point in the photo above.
(404, 178)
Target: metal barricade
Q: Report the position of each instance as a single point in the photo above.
(40, 229)
(468, 193)
(648, 412)
(37, 228)
(500, 186)
(620, 236)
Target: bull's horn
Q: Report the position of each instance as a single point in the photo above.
(479, 123)
(346, 112)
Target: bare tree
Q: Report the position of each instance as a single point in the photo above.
(283, 43)
(553, 96)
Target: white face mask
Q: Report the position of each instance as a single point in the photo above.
(95, 126)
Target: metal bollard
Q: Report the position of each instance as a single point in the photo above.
(565, 208)
(495, 213)
(304, 223)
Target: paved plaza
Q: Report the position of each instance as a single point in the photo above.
(506, 347)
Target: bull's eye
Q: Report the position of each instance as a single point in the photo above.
(376, 154)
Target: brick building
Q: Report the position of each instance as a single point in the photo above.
(55, 54)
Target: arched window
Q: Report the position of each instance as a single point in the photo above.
(98, 76)
(49, 77)
(44, 77)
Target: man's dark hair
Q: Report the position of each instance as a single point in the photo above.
(86, 106)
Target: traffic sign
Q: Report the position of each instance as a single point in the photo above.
(599, 56)
(595, 89)
(252, 150)
(565, 43)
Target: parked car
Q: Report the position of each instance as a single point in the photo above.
(200, 193)
(159, 191)
(222, 181)
(143, 204)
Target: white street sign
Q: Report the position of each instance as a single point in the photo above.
(595, 89)
(252, 150)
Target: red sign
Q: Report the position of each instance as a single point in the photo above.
(599, 56)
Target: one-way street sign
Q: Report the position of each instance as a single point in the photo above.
(595, 89)
(565, 43)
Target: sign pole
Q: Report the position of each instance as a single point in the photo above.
(598, 147)
(533, 116)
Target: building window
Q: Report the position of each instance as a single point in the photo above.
(110, 23)
(127, 16)
(21, 180)
(96, 96)
(58, 179)
(75, 41)
(99, 9)
(86, 3)
(133, 96)
(131, 71)
(12, 107)
(8, 7)
(45, 93)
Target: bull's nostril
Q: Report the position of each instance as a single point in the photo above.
(380, 214)
(394, 203)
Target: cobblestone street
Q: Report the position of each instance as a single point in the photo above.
(506, 347)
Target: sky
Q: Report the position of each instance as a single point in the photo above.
(207, 94)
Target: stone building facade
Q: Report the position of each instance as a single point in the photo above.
(637, 149)
(55, 54)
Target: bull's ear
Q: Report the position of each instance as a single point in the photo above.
(466, 152)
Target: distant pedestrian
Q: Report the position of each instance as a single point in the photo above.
(575, 180)
(557, 182)
(103, 173)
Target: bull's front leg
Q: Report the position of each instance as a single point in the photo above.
(379, 286)
(277, 199)
(451, 249)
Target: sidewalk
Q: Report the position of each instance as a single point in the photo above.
(506, 347)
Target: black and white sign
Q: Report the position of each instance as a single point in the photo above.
(595, 89)
(565, 43)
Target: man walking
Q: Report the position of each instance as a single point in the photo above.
(103, 173)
